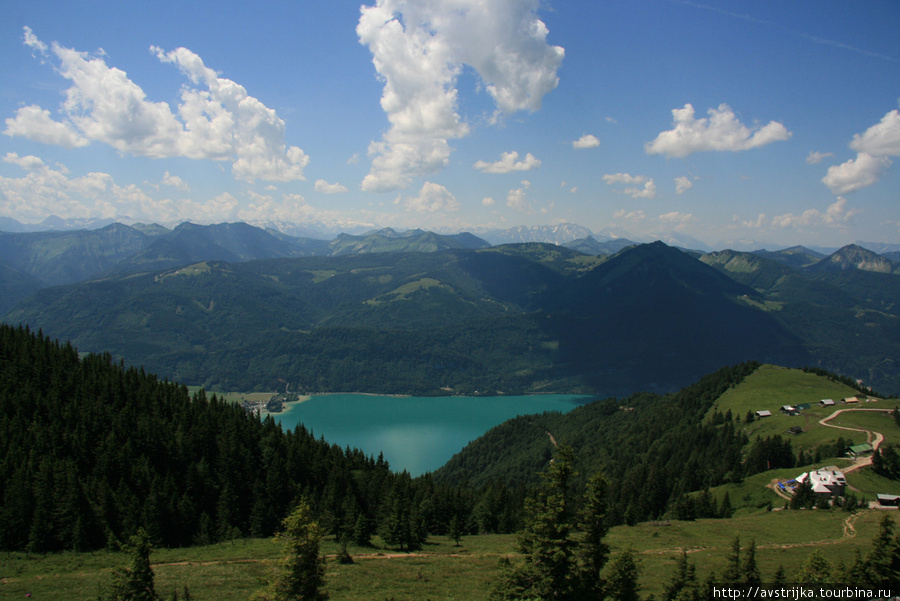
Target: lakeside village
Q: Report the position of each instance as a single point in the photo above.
(829, 483)
(275, 404)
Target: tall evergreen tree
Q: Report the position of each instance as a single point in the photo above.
(593, 523)
(752, 576)
(683, 585)
(300, 573)
(732, 572)
(549, 553)
(622, 581)
(816, 569)
(134, 582)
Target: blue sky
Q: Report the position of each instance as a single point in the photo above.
(775, 122)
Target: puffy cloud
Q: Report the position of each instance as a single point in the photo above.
(516, 198)
(873, 147)
(28, 162)
(683, 184)
(648, 190)
(175, 182)
(856, 174)
(586, 141)
(635, 216)
(676, 219)
(837, 214)
(35, 123)
(721, 131)
(883, 138)
(815, 157)
(45, 191)
(419, 48)
(216, 119)
(431, 199)
(509, 161)
(487, 201)
(327, 188)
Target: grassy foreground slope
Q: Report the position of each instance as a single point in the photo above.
(230, 571)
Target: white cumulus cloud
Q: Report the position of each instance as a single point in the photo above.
(328, 188)
(814, 157)
(175, 182)
(216, 120)
(586, 141)
(721, 131)
(431, 199)
(647, 191)
(837, 214)
(683, 184)
(419, 48)
(35, 123)
(883, 138)
(509, 161)
(855, 174)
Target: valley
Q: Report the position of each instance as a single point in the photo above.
(504, 357)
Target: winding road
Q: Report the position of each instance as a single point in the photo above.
(878, 436)
(872, 437)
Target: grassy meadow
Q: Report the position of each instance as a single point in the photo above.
(231, 571)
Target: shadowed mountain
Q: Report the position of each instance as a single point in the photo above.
(189, 243)
(592, 246)
(15, 286)
(516, 318)
(796, 256)
(388, 240)
(854, 257)
(66, 257)
(656, 310)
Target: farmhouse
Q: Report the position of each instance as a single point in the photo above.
(764, 413)
(789, 410)
(826, 482)
(827, 402)
(850, 400)
(860, 449)
(889, 500)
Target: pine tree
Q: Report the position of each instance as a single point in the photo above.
(548, 571)
(732, 572)
(882, 563)
(816, 569)
(134, 582)
(300, 573)
(752, 576)
(593, 522)
(622, 582)
(683, 585)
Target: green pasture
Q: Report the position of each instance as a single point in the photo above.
(771, 387)
(442, 570)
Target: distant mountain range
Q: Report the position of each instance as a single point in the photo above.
(235, 306)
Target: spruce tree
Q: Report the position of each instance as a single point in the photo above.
(732, 572)
(752, 576)
(300, 573)
(593, 522)
(134, 582)
(622, 582)
(549, 568)
(683, 585)
(816, 569)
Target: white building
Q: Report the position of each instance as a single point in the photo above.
(828, 481)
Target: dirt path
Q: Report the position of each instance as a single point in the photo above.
(848, 531)
(870, 435)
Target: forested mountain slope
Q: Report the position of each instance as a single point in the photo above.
(522, 318)
(91, 451)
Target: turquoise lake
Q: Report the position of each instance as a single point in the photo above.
(417, 434)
